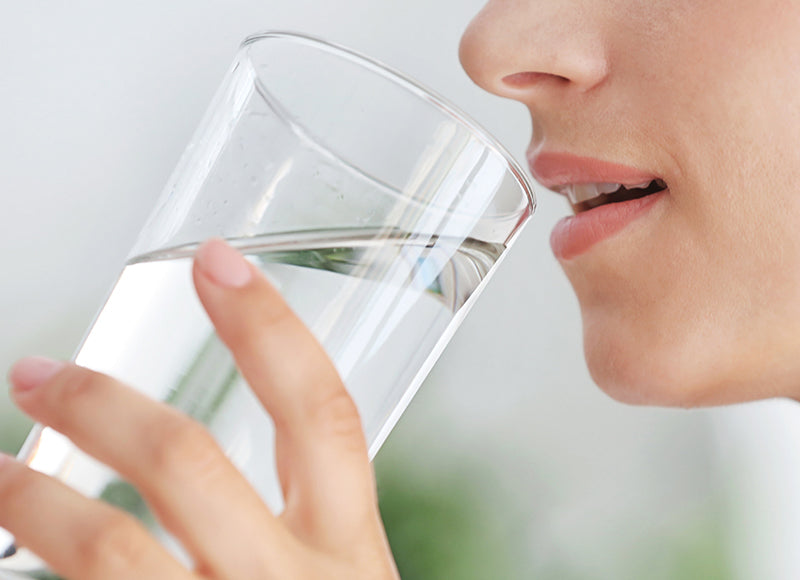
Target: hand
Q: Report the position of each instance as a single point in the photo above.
(330, 529)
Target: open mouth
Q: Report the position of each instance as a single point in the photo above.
(585, 196)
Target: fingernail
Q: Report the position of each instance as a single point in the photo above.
(30, 372)
(223, 264)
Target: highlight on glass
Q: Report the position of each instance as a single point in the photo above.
(377, 209)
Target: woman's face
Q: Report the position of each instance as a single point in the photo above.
(689, 295)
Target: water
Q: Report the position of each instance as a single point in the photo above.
(379, 301)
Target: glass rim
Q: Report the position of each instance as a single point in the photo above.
(413, 86)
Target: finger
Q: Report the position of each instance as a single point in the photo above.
(321, 451)
(77, 537)
(184, 476)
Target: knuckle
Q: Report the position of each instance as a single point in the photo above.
(77, 386)
(181, 445)
(16, 488)
(267, 315)
(335, 414)
(113, 543)
(271, 308)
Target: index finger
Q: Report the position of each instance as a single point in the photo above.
(322, 454)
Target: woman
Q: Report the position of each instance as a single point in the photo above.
(686, 267)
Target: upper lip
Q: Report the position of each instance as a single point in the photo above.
(556, 169)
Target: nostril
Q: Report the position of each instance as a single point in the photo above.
(527, 79)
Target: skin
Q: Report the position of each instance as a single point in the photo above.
(696, 302)
(693, 303)
(330, 527)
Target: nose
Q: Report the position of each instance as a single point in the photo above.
(535, 50)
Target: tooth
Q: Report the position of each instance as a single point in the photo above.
(581, 192)
(608, 187)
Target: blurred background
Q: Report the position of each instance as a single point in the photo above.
(509, 463)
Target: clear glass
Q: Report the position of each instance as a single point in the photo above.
(379, 211)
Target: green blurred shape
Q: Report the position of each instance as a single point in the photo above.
(439, 526)
(695, 548)
(123, 495)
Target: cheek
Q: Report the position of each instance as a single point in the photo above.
(688, 309)
(638, 316)
(700, 304)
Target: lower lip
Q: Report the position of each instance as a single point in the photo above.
(575, 235)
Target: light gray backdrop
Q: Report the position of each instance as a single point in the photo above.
(97, 101)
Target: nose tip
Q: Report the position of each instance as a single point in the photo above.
(528, 52)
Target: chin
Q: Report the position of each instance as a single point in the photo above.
(633, 384)
(630, 378)
(641, 369)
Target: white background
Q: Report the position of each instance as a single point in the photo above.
(97, 101)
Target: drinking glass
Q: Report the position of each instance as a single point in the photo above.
(377, 209)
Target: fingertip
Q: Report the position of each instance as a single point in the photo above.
(30, 372)
(222, 264)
